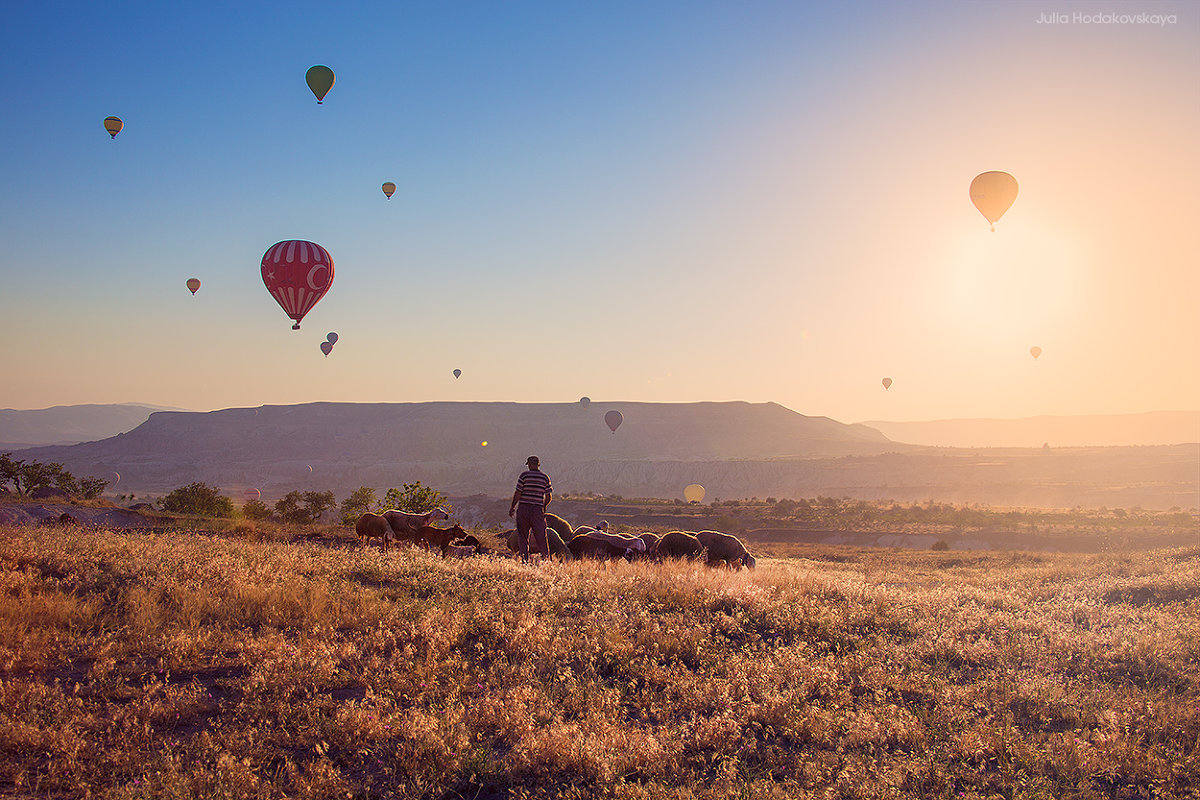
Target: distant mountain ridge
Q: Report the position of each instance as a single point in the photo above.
(734, 449)
(21, 428)
(385, 442)
(1111, 430)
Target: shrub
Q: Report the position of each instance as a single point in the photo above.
(198, 498)
(415, 498)
(941, 544)
(360, 501)
(255, 509)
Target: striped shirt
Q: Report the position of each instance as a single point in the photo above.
(533, 485)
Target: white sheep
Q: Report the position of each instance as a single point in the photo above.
(405, 524)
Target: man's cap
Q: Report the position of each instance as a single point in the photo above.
(533, 460)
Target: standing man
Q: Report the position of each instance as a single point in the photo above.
(529, 503)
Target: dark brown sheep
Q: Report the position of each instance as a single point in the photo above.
(373, 526)
(582, 545)
(651, 540)
(679, 544)
(725, 547)
(431, 536)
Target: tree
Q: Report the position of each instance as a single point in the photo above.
(302, 508)
(317, 503)
(414, 498)
(28, 476)
(255, 509)
(288, 509)
(91, 488)
(360, 501)
(198, 498)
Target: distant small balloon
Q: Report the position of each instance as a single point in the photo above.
(613, 420)
(193, 284)
(118, 480)
(113, 125)
(327, 347)
(320, 79)
(1035, 351)
(693, 493)
(585, 401)
(458, 373)
(887, 383)
(252, 494)
(389, 189)
(310, 469)
(483, 444)
(332, 338)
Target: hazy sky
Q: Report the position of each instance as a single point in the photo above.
(654, 201)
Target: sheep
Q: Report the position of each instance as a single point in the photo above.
(373, 526)
(725, 547)
(651, 540)
(405, 524)
(459, 551)
(431, 536)
(553, 541)
(560, 525)
(631, 546)
(582, 545)
(679, 544)
(471, 542)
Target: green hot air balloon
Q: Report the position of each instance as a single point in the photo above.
(320, 80)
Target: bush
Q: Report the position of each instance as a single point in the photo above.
(198, 498)
(941, 544)
(360, 501)
(255, 509)
(414, 498)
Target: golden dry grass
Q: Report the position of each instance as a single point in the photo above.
(197, 666)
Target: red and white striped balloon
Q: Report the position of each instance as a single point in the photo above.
(297, 274)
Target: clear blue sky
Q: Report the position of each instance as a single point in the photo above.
(650, 201)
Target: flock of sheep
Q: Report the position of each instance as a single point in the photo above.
(565, 542)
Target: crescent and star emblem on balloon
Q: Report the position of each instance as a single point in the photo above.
(290, 271)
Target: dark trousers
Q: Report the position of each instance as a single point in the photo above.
(531, 519)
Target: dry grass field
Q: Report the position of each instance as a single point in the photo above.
(187, 664)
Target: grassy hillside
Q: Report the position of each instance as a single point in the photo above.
(193, 665)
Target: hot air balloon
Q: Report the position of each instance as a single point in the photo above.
(252, 494)
(297, 274)
(326, 347)
(693, 493)
(389, 189)
(331, 338)
(458, 373)
(613, 420)
(887, 383)
(320, 80)
(585, 401)
(1035, 351)
(993, 193)
(193, 284)
(113, 125)
(118, 480)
